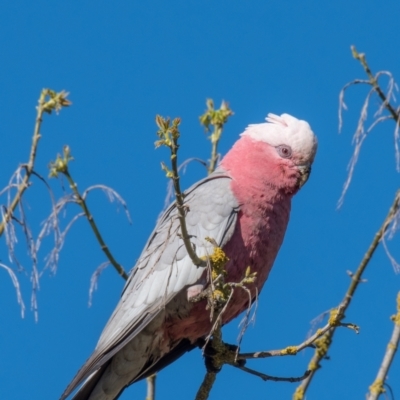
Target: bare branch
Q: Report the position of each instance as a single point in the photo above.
(390, 90)
(103, 246)
(206, 386)
(293, 350)
(377, 387)
(151, 387)
(356, 279)
(211, 374)
(48, 101)
(111, 195)
(170, 186)
(390, 391)
(374, 82)
(169, 135)
(265, 377)
(360, 133)
(60, 166)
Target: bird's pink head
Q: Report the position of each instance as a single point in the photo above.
(280, 151)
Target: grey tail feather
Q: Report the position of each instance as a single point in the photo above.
(87, 387)
(89, 384)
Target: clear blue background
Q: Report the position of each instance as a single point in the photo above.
(123, 62)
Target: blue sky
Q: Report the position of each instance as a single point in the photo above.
(124, 62)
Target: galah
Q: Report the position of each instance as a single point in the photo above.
(244, 205)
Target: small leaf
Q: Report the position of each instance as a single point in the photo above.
(159, 143)
(168, 172)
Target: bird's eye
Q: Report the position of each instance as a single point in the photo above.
(284, 151)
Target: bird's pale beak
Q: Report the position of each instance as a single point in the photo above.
(305, 171)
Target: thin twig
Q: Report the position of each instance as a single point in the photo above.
(360, 133)
(217, 119)
(111, 195)
(48, 101)
(56, 101)
(169, 135)
(290, 350)
(170, 185)
(266, 377)
(374, 82)
(326, 340)
(181, 208)
(377, 387)
(82, 203)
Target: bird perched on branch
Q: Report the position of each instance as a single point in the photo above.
(244, 206)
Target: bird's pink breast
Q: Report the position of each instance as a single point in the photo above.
(258, 183)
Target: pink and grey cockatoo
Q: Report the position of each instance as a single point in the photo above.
(244, 205)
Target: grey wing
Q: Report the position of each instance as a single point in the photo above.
(164, 268)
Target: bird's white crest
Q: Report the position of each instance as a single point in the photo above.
(286, 130)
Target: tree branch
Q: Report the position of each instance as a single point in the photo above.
(151, 387)
(361, 132)
(293, 350)
(374, 83)
(169, 135)
(326, 340)
(206, 386)
(48, 101)
(376, 388)
(265, 377)
(61, 166)
(93, 225)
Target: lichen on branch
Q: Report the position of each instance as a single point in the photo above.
(337, 316)
(377, 386)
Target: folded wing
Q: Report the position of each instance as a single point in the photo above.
(164, 268)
